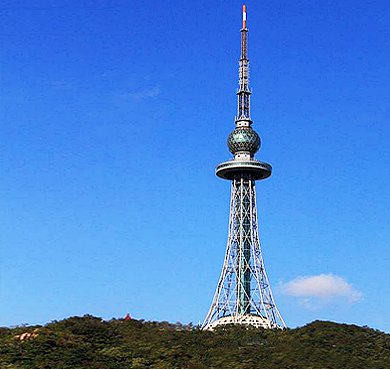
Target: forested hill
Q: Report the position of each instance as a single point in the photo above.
(90, 342)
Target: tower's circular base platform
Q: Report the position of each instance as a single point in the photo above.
(248, 319)
(257, 169)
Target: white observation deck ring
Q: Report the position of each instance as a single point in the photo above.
(257, 169)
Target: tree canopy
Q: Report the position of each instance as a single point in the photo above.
(90, 342)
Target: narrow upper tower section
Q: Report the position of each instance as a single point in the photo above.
(243, 142)
(243, 118)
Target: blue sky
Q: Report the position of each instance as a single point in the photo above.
(113, 116)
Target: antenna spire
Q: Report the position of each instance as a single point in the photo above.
(243, 94)
(244, 16)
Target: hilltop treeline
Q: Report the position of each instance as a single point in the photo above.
(90, 342)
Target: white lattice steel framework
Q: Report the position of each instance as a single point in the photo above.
(243, 294)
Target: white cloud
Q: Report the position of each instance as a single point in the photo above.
(151, 92)
(325, 287)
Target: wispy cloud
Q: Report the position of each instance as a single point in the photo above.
(324, 287)
(108, 73)
(60, 84)
(150, 92)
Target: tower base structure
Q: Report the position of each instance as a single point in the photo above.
(252, 320)
(243, 295)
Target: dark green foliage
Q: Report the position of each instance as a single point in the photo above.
(90, 342)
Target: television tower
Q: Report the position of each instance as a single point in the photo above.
(243, 294)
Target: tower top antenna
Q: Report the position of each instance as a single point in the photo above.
(244, 16)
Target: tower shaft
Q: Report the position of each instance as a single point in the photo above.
(243, 242)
